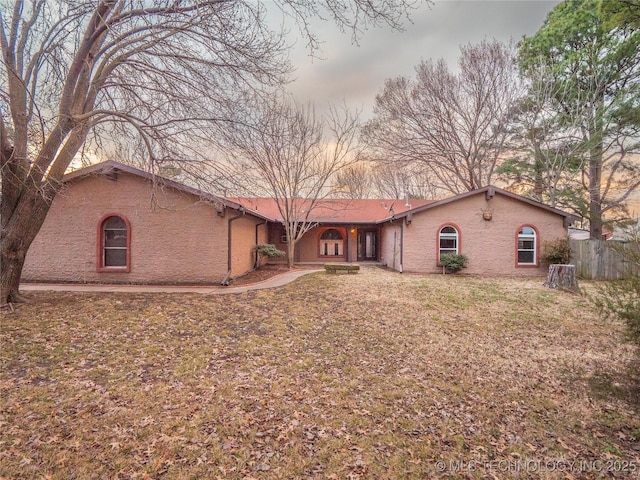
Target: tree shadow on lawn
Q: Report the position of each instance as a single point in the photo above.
(622, 385)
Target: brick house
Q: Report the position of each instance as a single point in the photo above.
(113, 223)
(501, 233)
(347, 231)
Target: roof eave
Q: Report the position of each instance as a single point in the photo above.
(110, 166)
(490, 191)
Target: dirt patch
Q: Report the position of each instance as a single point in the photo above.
(260, 275)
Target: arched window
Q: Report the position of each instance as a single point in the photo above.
(448, 240)
(114, 244)
(331, 243)
(527, 244)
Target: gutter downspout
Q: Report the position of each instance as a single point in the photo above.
(255, 262)
(225, 282)
(401, 246)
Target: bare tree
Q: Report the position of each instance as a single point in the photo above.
(354, 181)
(455, 124)
(90, 75)
(400, 181)
(285, 152)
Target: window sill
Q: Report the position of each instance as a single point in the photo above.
(126, 269)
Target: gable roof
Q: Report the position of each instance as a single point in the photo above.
(111, 167)
(329, 210)
(490, 191)
(336, 210)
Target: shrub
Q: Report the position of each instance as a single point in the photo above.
(266, 251)
(556, 251)
(453, 262)
(621, 298)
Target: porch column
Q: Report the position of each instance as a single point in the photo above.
(352, 244)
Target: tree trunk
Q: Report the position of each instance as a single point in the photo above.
(595, 218)
(18, 232)
(562, 277)
(595, 199)
(12, 263)
(538, 169)
(291, 252)
(595, 173)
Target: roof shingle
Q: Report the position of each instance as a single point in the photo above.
(335, 210)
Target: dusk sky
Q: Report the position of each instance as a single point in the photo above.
(357, 73)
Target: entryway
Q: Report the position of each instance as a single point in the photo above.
(367, 244)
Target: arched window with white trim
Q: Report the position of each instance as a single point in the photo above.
(527, 246)
(331, 243)
(448, 240)
(114, 252)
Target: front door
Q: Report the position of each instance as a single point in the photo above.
(367, 244)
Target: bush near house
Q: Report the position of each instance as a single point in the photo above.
(556, 252)
(265, 251)
(453, 262)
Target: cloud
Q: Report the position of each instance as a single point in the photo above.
(356, 73)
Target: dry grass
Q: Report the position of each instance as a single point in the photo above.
(375, 375)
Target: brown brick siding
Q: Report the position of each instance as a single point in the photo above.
(243, 238)
(179, 239)
(391, 239)
(308, 247)
(489, 245)
(176, 240)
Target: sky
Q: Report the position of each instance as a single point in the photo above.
(356, 73)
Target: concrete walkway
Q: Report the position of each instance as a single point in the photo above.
(273, 282)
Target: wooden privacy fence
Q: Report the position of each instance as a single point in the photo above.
(596, 260)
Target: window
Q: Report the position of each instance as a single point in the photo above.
(448, 240)
(331, 243)
(114, 244)
(527, 246)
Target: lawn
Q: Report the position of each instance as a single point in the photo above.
(374, 376)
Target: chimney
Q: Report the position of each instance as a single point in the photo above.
(406, 201)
